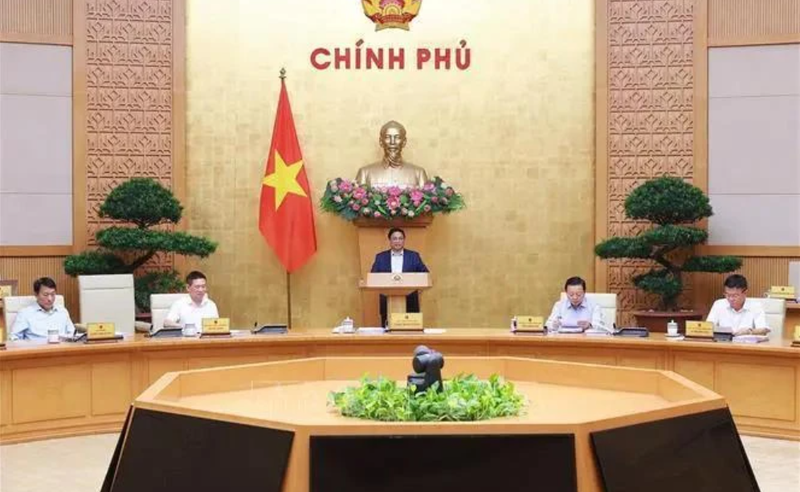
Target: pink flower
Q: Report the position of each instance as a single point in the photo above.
(377, 214)
(364, 201)
(426, 208)
(417, 196)
(337, 199)
(449, 192)
(444, 201)
(359, 193)
(346, 186)
(394, 191)
(435, 199)
(403, 211)
(392, 202)
(356, 207)
(429, 186)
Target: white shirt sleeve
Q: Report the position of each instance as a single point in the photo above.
(20, 326)
(69, 327)
(174, 313)
(554, 315)
(714, 314)
(213, 309)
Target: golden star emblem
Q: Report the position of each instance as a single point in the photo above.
(284, 179)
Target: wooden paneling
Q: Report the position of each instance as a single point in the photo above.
(36, 21)
(130, 86)
(753, 22)
(761, 273)
(760, 383)
(644, 362)
(750, 251)
(646, 119)
(760, 391)
(43, 393)
(26, 270)
(699, 371)
(26, 251)
(5, 397)
(111, 387)
(158, 367)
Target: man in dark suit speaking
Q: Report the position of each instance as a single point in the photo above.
(399, 260)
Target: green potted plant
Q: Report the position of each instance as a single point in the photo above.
(145, 204)
(672, 205)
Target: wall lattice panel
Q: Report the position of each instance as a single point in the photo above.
(650, 115)
(129, 99)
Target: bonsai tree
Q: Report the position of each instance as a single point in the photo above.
(146, 204)
(672, 205)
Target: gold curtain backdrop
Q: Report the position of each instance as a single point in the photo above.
(514, 133)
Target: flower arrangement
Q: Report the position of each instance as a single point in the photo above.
(350, 200)
(464, 398)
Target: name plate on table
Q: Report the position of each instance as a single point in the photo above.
(796, 339)
(782, 292)
(405, 322)
(216, 327)
(700, 330)
(101, 332)
(529, 324)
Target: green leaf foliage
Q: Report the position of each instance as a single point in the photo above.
(156, 283)
(623, 247)
(94, 263)
(126, 238)
(349, 200)
(714, 264)
(142, 201)
(674, 236)
(662, 283)
(464, 398)
(667, 200)
(670, 203)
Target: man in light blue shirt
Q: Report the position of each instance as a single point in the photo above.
(576, 311)
(34, 321)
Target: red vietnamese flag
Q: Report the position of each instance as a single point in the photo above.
(286, 219)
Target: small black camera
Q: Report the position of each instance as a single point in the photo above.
(427, 364)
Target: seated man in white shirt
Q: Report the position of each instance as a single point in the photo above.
(34, 321)
(736, 313)
(191, 311)
(576, 310)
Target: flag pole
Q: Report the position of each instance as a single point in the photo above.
(289, 299)
(282, 76)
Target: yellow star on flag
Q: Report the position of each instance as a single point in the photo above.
(284, 179)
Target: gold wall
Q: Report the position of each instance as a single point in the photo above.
(514, 133)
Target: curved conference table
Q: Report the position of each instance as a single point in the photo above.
(70, 389)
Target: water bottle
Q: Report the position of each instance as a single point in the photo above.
(347, 325)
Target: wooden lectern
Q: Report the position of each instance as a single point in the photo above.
(371, 240)
(395, 286)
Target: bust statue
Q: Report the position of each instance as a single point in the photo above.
(392, 170)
